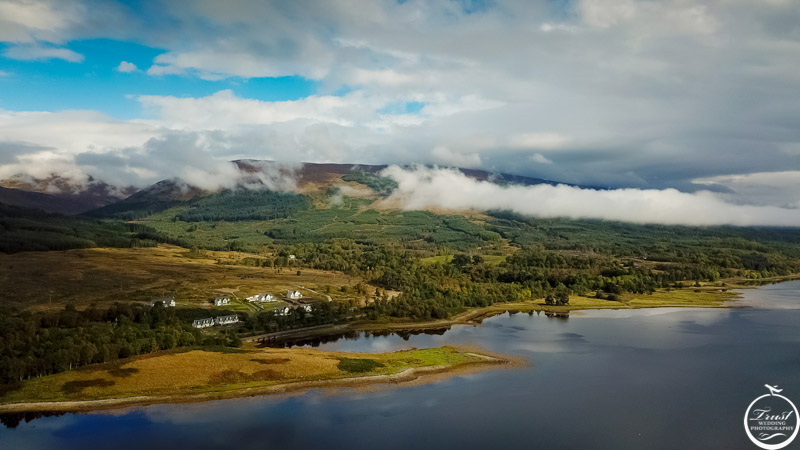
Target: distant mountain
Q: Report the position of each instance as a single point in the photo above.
(322, 173)
(58, 194)
(306, 177)
(158, 197)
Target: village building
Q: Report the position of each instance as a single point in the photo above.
(294, 295)
(222, 300)
(285, 311)
(167, 302)
(226, 320)
(306, 307)
(211, 321)
(203, 323)
(262, 298)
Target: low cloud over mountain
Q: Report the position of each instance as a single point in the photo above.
(423, 188)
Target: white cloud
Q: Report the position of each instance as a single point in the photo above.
(781, 188)
(538, 140)
(605, 13)
(25, 21)
(617, 93)
(160, 69)
(126, 67)
(224, 110)
(449, 157)
(36, 52)
(540, 159)
(424, 188)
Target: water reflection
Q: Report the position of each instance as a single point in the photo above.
(404, 334)
(12, 420)
(353, 335)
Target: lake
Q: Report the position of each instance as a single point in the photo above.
(625, 379)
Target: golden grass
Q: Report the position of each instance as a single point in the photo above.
(688, 297)
(46, 280)
(198, 371)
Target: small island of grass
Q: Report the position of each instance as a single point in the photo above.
(207, 374)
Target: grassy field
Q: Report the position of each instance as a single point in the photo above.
(706, 297)
(38, 280)
(216, 373)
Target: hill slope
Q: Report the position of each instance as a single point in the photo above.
(59, 195)
(305, 178)
(25, 229)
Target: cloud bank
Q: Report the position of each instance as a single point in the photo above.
(424, 188)
(619, 93)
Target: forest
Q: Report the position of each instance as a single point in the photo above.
(39, 344)
(23, 229)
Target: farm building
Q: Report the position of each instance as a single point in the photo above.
(222, 300)
(166, 301)
(294, 295)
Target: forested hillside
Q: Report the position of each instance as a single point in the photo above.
(23, 229)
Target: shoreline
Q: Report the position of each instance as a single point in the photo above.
(726, 288)
(408, 377)
(475, 316)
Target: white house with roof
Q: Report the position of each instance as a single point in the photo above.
(262, 298)
(284, 311)
(211, 321)
(222, 300)
(226, 320)
(294, 295)
(167, 302)
(203, 323)
(306, 307)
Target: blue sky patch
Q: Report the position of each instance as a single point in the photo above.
(94, 83)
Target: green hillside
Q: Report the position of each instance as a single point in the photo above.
(24, 229)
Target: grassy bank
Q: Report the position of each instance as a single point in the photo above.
(207, 374)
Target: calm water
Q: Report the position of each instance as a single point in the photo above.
(644, 379)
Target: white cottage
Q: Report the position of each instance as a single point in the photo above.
(211, 321)
(168, 302)
(294, 295)
(222, 301)
(262, 298)
(285, 311)
(203, 323)
(226, 320)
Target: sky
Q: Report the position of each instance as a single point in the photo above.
(701, 97)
